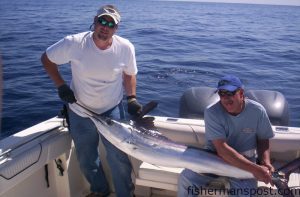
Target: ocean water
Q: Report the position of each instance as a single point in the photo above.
(178, 45)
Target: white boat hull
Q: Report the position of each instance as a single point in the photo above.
(25, 155)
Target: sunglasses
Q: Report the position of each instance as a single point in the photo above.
(227, 93)
(104, 23)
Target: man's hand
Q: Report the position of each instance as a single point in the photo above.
(134, 108)
(66, 94)
(271, 169)
(262, 173)
(269, 166)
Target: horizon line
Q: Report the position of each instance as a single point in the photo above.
(259, 2)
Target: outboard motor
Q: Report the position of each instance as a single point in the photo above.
(194, 101)
(275, 104)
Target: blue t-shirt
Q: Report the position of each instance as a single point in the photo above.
(240, 132)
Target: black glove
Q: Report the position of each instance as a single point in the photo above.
(66, 94)
(134, 108)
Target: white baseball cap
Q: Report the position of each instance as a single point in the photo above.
(109, 10)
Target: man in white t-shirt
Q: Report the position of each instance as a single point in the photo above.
(102, 63)
(236, 128)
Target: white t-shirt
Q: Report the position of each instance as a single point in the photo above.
(97, 75)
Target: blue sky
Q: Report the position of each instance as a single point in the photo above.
(273, 2)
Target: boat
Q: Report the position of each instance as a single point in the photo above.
(41, 160)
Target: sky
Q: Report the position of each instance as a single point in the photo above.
(272, 2)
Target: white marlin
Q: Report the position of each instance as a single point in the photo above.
(152, 147)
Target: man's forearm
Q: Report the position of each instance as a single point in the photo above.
(236, 159)
(130, 84)
(263, 151)
(52, 70)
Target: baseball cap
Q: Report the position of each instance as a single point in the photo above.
(230, 83)
(109, 10)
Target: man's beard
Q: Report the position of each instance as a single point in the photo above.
(100, 36)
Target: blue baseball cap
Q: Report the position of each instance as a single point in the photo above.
(230, 83)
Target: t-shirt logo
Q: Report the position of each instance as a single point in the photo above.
(248, 130)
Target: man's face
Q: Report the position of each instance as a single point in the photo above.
(105, 27)
(232, 101)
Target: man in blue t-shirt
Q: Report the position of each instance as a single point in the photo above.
(238, 130)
